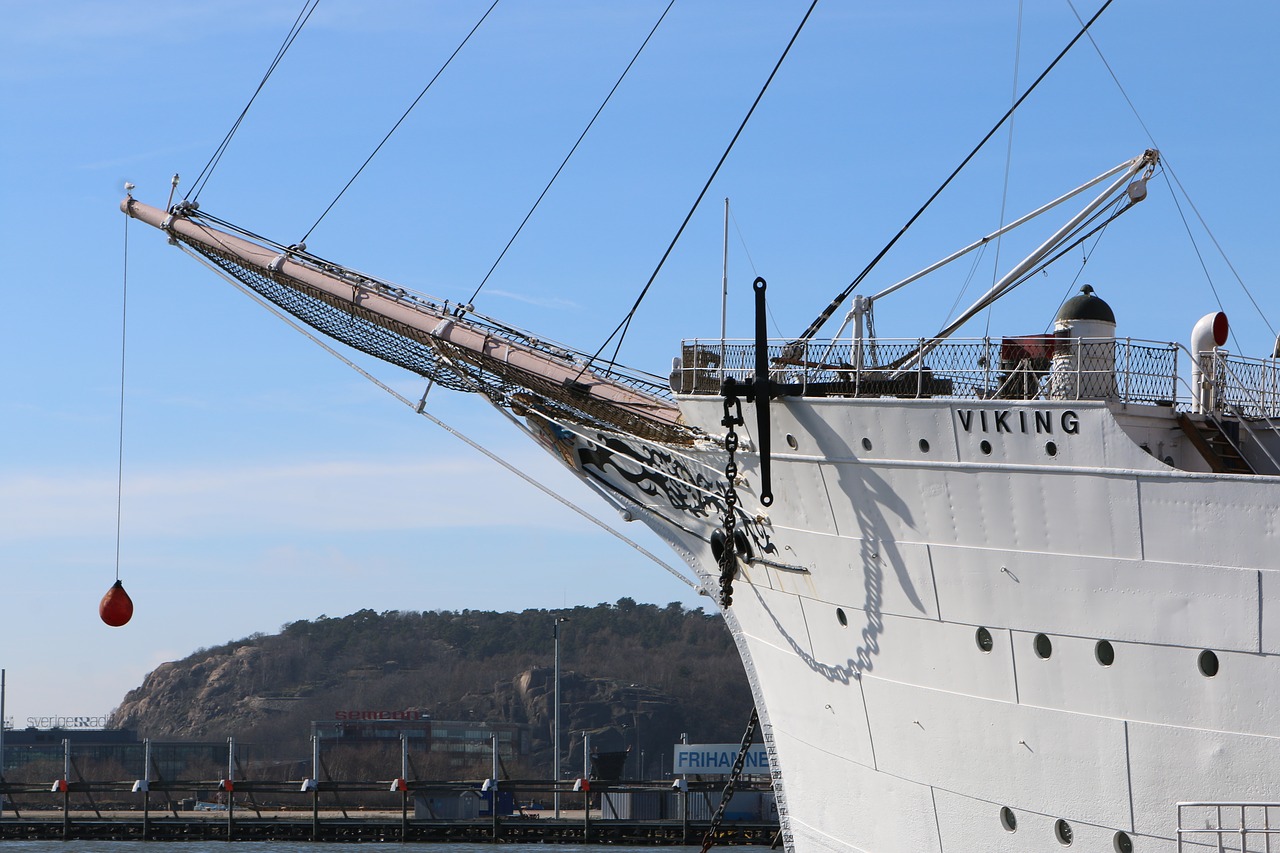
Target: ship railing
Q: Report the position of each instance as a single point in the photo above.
(1239, 827)
(1245, 389)
(1249, 387)
(1126, 370)
(1038, 367)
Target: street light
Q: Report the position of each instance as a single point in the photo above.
(555, 633)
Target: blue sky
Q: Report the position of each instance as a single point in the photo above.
(265, 482)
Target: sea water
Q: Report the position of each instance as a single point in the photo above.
(300, 847)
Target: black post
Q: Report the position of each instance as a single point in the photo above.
(229, 786)
(762, 389)
(493, 791)
(684, 813)
(66, 788)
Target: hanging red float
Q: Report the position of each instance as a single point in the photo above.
(116, 607)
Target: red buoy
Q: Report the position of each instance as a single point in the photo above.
(116, 607)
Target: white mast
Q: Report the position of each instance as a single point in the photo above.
(724, 285)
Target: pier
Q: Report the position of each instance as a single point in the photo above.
(380, 828)
(635, 814)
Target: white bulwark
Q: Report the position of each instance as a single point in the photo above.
(716, 759)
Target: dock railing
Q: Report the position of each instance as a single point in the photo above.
(248, 809)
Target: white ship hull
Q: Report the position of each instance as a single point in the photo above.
(892, 728)
(1000, 600)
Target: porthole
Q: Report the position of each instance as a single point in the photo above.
(1105, 653)
(985, 447)
(1008, 819)
(841, 618)
(866, 444)
(1051, 447)
(1044, 646)
(791, 441)
(924, 446)
(1062, 831)
(1123, 843)
(983, 637)
(1208, 664)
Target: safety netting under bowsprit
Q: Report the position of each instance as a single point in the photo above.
(443, 363)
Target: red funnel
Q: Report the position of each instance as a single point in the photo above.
(116, 607)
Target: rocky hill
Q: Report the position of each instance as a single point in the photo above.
(635, 675)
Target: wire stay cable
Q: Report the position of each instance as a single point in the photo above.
(124, 325)
(1008, 162)
(400, 121)
(1171, 178)
(563, 163)
(621, 331)
(202, 179)
(542, 487)
(822, 318)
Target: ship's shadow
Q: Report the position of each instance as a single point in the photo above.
(870, 498)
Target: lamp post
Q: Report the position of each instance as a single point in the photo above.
(555, 738)
(635, 718)
(1, 738)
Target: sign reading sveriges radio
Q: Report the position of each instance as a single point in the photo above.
(60, 722)
(716, 759)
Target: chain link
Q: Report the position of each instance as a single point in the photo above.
(748, 738)
(729, 556)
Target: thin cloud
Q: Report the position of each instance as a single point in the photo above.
(539, 301)
(353, 496)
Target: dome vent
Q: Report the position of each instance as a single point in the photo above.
(1084, 349)
(1085, 306)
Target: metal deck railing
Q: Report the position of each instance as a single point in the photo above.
(1229, 827)
(1037, 367)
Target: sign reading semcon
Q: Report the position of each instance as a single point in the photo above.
(716, 759)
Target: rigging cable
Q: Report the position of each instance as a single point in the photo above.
(1121, 207)
(1171, 174)
(565, 162)
(1086, 254)
(773, 320)
(396, 126)
(124, 314)
(1008, 164)
(964, 287)
(547, 490)
(822, 318)
(197, 186)
(621, 330)
(737, 227)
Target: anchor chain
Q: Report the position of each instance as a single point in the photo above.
(729, 556)
(748, 737)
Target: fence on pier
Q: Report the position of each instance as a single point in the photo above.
(247, 809)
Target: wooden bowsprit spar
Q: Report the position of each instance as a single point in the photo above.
(447, 344)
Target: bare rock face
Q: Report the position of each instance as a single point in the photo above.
(194, 700)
